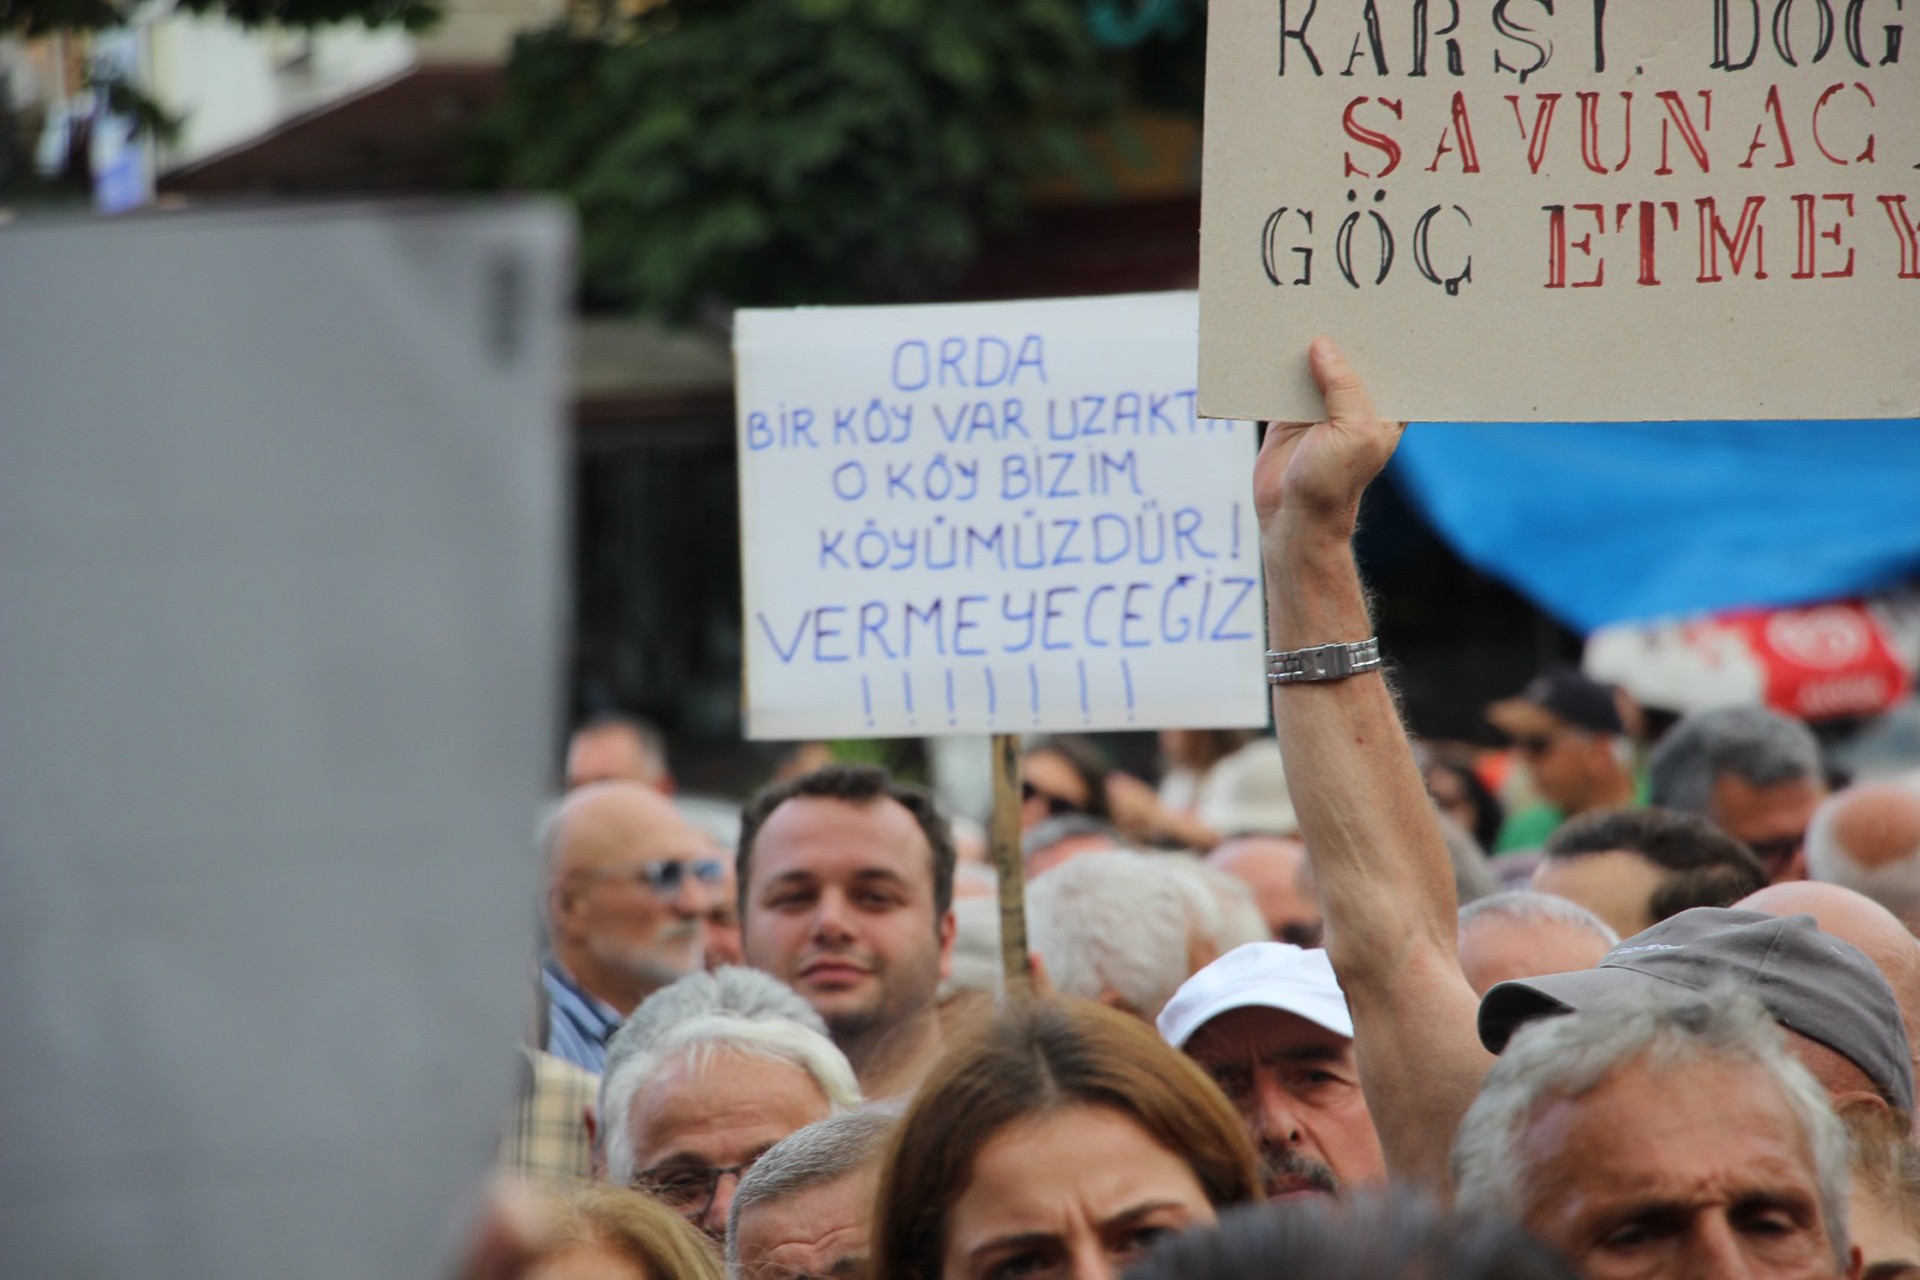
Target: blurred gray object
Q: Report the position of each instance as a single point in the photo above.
(281, 593)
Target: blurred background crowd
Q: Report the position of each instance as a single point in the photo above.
(1633, 696)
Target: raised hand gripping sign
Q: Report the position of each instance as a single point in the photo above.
(992, 517)
(1583, 210)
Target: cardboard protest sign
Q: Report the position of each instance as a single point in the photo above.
(1590, 210)
(1001, 517)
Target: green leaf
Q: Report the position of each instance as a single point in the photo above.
(791, 151)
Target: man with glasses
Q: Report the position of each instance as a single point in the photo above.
(629, 882)
(1754, 773)
(1568, 731)
(701, 1086)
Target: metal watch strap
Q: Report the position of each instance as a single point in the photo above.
(1322, 662)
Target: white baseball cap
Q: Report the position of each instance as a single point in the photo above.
(1259, 975)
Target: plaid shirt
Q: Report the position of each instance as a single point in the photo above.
(546, 1139)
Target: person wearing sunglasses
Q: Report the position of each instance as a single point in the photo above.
(1569, 733)
(1060, 777)
(629, 884)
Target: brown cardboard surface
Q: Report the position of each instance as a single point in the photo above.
(1669, 208)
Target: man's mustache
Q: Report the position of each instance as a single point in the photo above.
(1280, 1166)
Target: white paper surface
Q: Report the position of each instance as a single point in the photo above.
(992, 517)
(280, 590)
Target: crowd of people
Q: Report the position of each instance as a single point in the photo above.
(1288, 1016)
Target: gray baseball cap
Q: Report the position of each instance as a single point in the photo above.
(1810, 981)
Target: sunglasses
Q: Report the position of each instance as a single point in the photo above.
(1535, 745)
(1057, 806)
(670, 875)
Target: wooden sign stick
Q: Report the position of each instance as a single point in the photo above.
(1003, 845)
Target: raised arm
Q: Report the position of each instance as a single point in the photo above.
(1385, 881)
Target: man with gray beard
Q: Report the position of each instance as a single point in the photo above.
(1269, 1023)
(629, 881)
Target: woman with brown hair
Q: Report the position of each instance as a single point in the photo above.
(1059, 1139)
(1061, 776)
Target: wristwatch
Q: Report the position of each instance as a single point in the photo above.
(1322, 662)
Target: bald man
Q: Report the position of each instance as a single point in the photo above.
(1884, 1216)
(1522, 934)
(1867, 838)
(1275, 869)
(629, 884)
(1867, 925)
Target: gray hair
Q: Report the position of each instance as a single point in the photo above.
(1235, 919)
(1524, 906)
(1044, 835)
(1571, 1055)
(1760, 747)
(824, 1152)
(1119, 921)
(703, 1041)
(731, 1012)
(731, 989)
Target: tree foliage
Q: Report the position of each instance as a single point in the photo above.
(794, 151)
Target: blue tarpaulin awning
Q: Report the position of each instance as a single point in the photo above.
(1615, 522)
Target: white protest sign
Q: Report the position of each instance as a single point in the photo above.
(992, 517)
(1590, 210)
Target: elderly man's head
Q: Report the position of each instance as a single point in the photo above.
(1867, 838)
(1054, 841)
(1843, 1020)
(1269, 1023)
(1752, 772)
(1884, 1212)
(1521, 934)
(686, 1121)
(806, 1209)
(1275, 868)
(1122, 928)
(616, 747)
(629, 881)
(1865, 924)
(730, 991)
(720, 937)
(1662, 1134)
